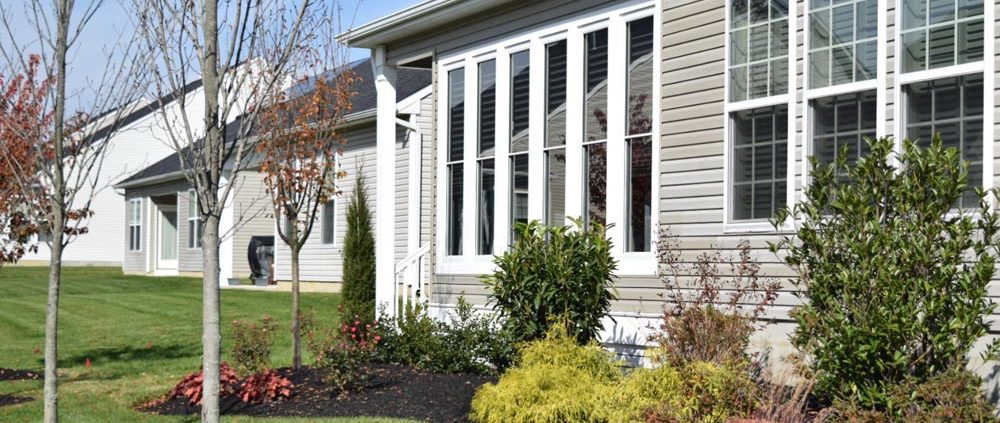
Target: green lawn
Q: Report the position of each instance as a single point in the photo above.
(111, 319)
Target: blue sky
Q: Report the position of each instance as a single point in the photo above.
(113, 20)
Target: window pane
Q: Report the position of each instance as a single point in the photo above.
(765, 35)
(485, 203)
(760, 160)
(842, 42)
(640, 194)
(914, 51)
(518, 192)
(456, 114)
(555, 186)
(454, 240)
(328, 223)
(555, 94)
(841, 122)
(596, 97)
(487, 107)
(520, 87)
(955, 113)
(640, 76)
(941, 33)
(595, 197)
(738, 12)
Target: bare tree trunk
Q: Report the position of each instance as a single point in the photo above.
(58, 213)
(211, 336)
(296, 336)
(52, 324)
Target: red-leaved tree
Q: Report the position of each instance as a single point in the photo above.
(298, 149)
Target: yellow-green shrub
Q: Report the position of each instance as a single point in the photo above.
(709, 394)
(557, 380)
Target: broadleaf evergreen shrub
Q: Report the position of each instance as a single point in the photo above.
(554, 272)
(892, 277)
(359, 256)
(467, 343)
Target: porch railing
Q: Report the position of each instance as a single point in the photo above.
(411, 278)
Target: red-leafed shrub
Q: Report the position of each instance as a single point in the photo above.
(264, 387)
(190, 386)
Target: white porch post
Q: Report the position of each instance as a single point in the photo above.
(385, 181)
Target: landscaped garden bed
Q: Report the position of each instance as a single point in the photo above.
(394, 391)
(16, 374)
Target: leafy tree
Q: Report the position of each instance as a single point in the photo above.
(556, 272)
(299, 146)
(359, 255)
(893, 278)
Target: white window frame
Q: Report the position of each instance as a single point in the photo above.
(134, 221)
(986, 67)
(332, 204)
(615, 18)
(194, 243)
(730, 225)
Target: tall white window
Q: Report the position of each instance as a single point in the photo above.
(758, 46)
(520, 88)
(454, 159)
(194, 221)
(565, 124)
(639, 137)
(485, 156)
(135, 224)
(942, 79)
(555, 133)
(758, 112)
(328, 222)
(595, 117)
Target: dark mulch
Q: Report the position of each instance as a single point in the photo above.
(11, 400)
(15, 374)
(393, 391)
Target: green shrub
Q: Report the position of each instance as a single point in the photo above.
(252, 345)
(708, 394)
(554, 271)
(952, 396)
(894, 281)
(345, 353)
(359, 256)
(469, 343)
(558, 380)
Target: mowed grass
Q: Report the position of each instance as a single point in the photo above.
(141, 334)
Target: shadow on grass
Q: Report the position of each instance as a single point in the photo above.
(99, 356)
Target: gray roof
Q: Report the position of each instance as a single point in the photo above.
(408, 82)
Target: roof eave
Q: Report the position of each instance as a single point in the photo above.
(409, 21)
(150, 180)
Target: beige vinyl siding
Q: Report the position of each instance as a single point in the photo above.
(252, 212)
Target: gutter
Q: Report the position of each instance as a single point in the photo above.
(165, 177)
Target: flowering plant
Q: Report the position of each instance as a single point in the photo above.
(344, 353)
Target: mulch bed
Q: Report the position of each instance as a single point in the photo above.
(11, 400)
(393, 391)
(15, 374)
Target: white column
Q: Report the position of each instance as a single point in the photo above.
(385, 181)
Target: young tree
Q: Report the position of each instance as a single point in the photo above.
(241, 50)
(61, 172)
(298, 146)
(359, 254)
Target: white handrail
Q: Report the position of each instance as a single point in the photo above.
(412, 270)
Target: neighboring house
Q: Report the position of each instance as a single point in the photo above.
(695, 114)
(163, 232)
(137, 142)
(321, 259)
